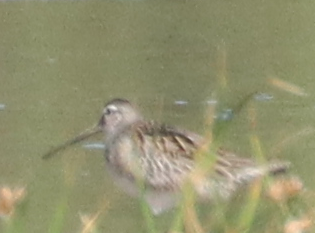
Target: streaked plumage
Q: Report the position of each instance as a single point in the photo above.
(164, 159)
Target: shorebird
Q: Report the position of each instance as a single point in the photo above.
(162, 159)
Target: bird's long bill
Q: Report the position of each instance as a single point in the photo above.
(84, 135)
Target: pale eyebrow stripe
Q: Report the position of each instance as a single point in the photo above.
(112, 107)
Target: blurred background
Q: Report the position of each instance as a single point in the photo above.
(61, 61)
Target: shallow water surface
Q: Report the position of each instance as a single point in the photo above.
(62, 61)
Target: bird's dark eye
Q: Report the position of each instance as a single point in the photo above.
(108, 111)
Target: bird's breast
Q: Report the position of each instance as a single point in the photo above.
(123, 155)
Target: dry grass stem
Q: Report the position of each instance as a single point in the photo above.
(286, 86)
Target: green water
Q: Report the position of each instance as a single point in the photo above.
(61, 61)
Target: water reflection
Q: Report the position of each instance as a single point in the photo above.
(94, 146)
(263, 97)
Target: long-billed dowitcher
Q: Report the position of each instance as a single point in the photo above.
(163, 159)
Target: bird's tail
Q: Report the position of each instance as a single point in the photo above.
(227, 181)
(248, 174)
(277, 167)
